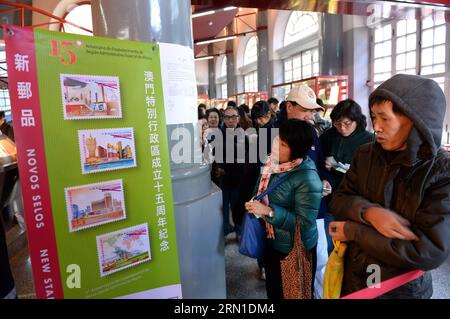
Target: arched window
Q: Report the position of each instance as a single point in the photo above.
(223, 67)
(251, 51)
(222, 84)
(251, 56)
(81, 15)
(300, 25)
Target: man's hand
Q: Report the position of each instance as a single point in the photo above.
(336, 231)
(389, 223)
(326, 188)
(328, 165)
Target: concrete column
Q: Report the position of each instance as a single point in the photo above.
(331, 55)
(212, 91)
(356, 50)
(197, 201)
(231, 64)
(263, 52)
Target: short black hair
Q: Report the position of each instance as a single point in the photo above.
(272, 100)
(214, 110)
(201, 112)
(282, 114)
(320, 102)
(245, 107)
(231, 103)
(299, 137)
(377, 99)
(349, 108)
(202, 105)
(260, 109)
(2, 114)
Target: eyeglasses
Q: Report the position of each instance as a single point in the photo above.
(232, 117)
(345, 124)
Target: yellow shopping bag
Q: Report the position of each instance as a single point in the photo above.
(334, 272)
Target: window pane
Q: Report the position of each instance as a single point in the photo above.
(381, 77)
(80, 15)
(439, 19)
(411, 25)
(411, 71)
(307, 71)
(224, 90)
(288, 76)
(300, 25)
(426, 70)
(411, 59)
(378, 35)
(439, 54)
(401, 45)
(316, 68)
(387, 32)
(297, 74)
(427, 22)
(378, 50)
(427, 56)
(387, 48)
(251, 51)
(288, 65)
(387, 64)
(401, 28)
(296, 62)
(316, 55)
(401, 61)
(223, 68)
(427, 38)
(439, 35)
(306, 57)
(411, 42)
(377, 67)
(439, 68)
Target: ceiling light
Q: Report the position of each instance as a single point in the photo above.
(229, 8)
(209, 57)
(201, 14)
(216, 40)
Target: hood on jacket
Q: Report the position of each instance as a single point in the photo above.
(423, 101)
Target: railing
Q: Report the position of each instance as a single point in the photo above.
(15, 7)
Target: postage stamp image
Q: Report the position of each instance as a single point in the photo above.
(90, 97)
(95, 204)
(123, 249)
(106, 149)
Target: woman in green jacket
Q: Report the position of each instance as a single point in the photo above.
(289, 213)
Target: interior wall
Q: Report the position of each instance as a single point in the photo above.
(356, 59)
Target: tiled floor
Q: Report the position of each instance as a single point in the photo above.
(242, 275)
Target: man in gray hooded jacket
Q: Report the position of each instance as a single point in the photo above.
(393, 206)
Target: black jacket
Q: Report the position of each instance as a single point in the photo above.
(414, 183)
(234, 163)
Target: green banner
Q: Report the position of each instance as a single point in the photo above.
(105, 143)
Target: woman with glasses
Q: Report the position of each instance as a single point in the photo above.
(231, 166)
(340, 142)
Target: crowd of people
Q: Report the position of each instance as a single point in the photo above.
(386, 194)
